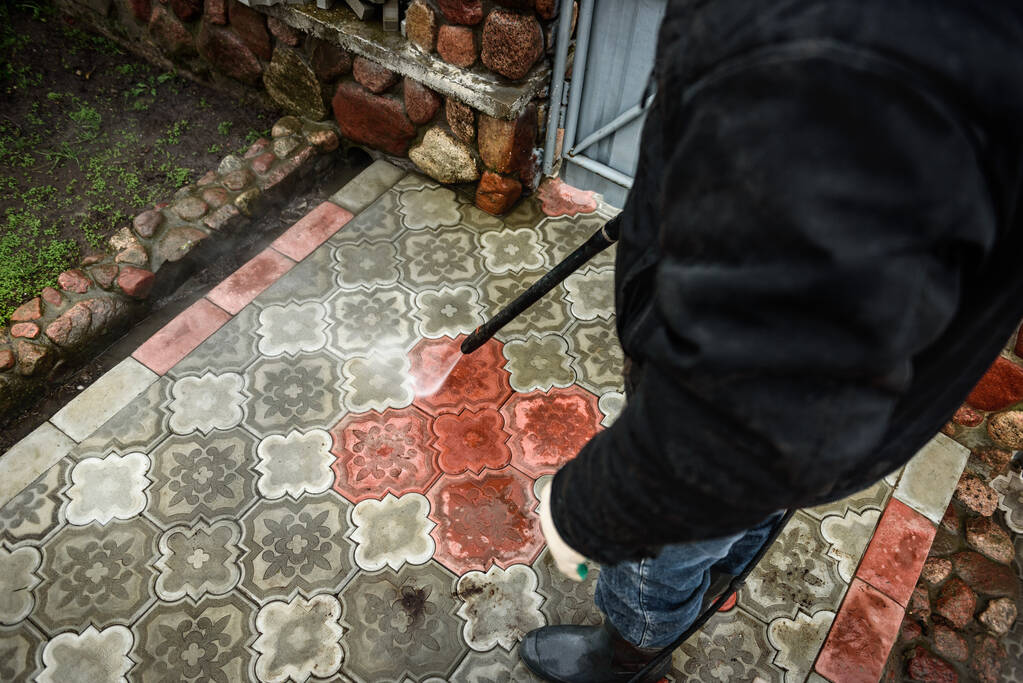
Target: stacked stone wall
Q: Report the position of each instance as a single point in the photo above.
(500, 43)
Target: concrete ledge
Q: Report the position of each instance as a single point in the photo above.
(485, 92)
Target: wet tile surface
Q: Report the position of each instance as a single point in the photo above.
(321, 486)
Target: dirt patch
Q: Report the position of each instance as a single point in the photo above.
(90, 136)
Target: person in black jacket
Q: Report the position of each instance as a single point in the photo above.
(821, 254)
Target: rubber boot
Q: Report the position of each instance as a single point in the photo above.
(587, 654)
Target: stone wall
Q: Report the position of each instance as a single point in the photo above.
(460, 93)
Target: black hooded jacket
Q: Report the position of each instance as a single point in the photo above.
(821, 254)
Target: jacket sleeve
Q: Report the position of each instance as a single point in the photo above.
(815, 219)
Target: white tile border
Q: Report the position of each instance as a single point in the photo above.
(101, 401)
(929, 479)
(28, 459)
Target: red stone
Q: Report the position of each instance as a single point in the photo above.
(446, 382)
(861, 636)
(516, 4)
(976, 495)
(103, 312)
(950, 520)
(1000, 387)
(919, 604)
(258, 147)
(936, 570)
(263, 162)
(997, 459)
(286, 171)
(104, 274)
(74, 281)
(484, 520)
(988, 658)
(988, 538)
(250, 26)
(6, 359)
(52, 297)
(223, 218)
(1019, 343)
(324, 140)
(147, 222)
(999, 616)
(235, 181)
(187, 10)
(91, 259)
(377, 121)
(561, 199)
(169, 33)
(1006, 429)
(30, 310)
(985, 576)
(505, 145)
(471, 441)
(461, 118)
(26, 330)
(227, 53)
(421, 25)
(136, 282)
(956, 603)
(32, 358)
(141, 9)
(283, 32)
(216, 11)
(376, 78)
(328, 61)
(897, 551)
(421, 103)
(967, 416)
(928, 668)
(546, 8)
(496, 194)
(457, 45)
(950, 644)
(216, 197)
(949, 429)
(389, 452)
(467, 12)
(72, 327)
(511, 43)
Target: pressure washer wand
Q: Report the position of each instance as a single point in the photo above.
(598, 242)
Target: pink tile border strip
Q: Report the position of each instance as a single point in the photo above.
(181, 336)
(246, 283)
(897, 551)
(312, 230)
(861, 636)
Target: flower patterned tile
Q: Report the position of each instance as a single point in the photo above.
(427, 207)
(471, 441)
(539, 362)
(446, 381)
(291, 546)
(92, 655)
(292, 329)
(139, 426)
(230, 349)
(512, 251)
(365, 320)
(36, 511)
(198, 560)
(1009, 488)
(499, 606)
(848, 536)
(84, 414)
(548, 428)
(597, 356)
(439, 256)
(388, 452)
(392, 532)
(209, 640)
(566, 601)
(293, 392)
(379, 222)
(549, 314)
(107, 488)
(590, 293)
(366, 264)
(313, 279)
(493, 666)
(796, 573)
(294, 464)
(447, 311)
(798, 641)
(299, 639)
(732, 646)
(209, 477)
(30, 458)
(377, 381)
(202, 404)
(402, 625)
(20, 651)
(18, 576)
(98, 575)
(611, 404)
(874, 497)
(563, 235)
(484, 520)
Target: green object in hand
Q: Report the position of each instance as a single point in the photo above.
(583, 570)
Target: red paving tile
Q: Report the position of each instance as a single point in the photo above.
(314, 229)
(471, 441)
(549, 428)
(446, 381)
(181, 336)
(380, 453)
(897, 551)
(246, 283)
(561, 199)
(484, 520)
(861, 637)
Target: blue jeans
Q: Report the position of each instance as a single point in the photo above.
(651, 602)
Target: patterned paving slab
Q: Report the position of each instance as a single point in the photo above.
(324, 488)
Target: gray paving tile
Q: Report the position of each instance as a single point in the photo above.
(930, 478)
(30, 458)
(363, 189)
(100, 401)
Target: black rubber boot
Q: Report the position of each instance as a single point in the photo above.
(587, 654)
